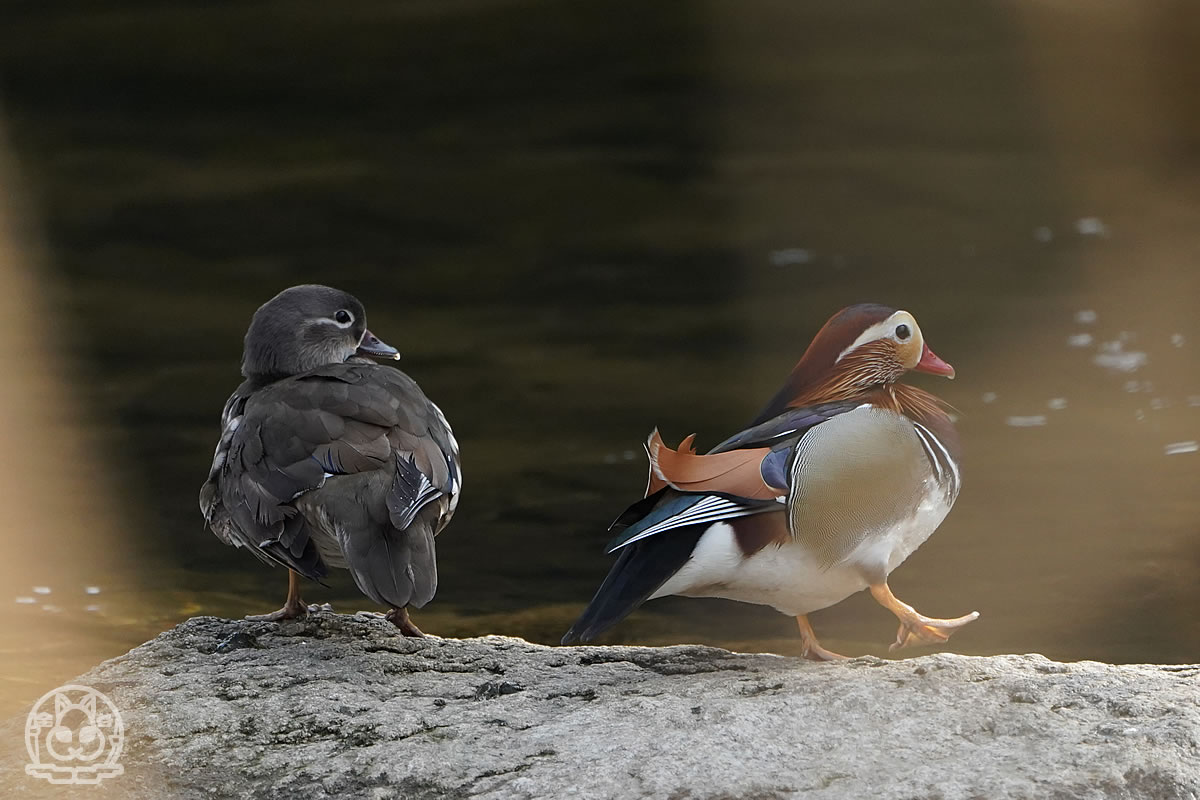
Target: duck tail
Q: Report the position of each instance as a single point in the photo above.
(640, 570)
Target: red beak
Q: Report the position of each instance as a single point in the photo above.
(932, 364)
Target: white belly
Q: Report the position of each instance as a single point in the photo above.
(790, 578)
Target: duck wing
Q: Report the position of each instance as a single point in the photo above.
(749, 473)
(286, 440)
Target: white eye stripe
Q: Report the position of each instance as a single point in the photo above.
(333, 321)
(883, 330)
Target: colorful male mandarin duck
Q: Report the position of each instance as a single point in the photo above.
(839, 479)
(328, 459)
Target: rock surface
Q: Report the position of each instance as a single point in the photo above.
(342, 706)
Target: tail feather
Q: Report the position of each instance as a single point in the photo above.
(394, 568)
(640, 570)
(294, 548)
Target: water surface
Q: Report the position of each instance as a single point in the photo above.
(579, 223)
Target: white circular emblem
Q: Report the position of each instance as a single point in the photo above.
(74, 734)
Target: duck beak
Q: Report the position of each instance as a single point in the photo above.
(372, 345)
(933, 365)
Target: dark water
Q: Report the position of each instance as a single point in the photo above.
(580, 222)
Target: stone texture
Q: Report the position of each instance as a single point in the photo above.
(341, 706)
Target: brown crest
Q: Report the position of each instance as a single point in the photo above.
(818, 376)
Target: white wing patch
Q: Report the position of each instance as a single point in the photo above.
(710, 508)
(425, 492)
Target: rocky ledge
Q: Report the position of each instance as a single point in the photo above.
(342, 706)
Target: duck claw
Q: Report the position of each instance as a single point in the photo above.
(399, 617)
(812, 649)
(927, 630)
(817, 653)
(287, 612)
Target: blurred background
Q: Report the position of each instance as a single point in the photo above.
(578, 221)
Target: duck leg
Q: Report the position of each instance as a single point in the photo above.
(812, 648)
(293, 607)
(914, 627)
(399, 617)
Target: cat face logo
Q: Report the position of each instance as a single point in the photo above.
(74, 734)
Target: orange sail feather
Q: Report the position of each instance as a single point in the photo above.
(737, 472)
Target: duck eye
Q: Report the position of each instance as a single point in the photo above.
(343, 317)
(902, 332)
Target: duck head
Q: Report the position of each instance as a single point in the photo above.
(888, 344)
(860, 348)
(306, 327)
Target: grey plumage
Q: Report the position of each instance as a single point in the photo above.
(330, 460)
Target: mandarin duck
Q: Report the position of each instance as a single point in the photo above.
(839, 479)
(329, 459)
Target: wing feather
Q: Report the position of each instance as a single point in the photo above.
(290, 437)
(749, 473)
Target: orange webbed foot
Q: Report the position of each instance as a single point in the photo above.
(813, 650)
(927, 630)
(916, 628)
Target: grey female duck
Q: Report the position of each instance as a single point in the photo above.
(329, 459)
